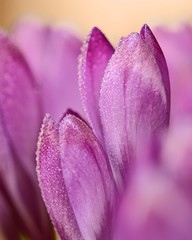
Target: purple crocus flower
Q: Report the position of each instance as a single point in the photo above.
(85, 169)
(177, 46)
(24, 90)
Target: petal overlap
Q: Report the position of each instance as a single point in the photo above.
(94, 58)
(91, 170)
(78, 171)
(52, 184)
(150, 39)
(133, 99)
(88, 178)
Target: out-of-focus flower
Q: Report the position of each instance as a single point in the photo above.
(27, 91)
(177, 47)
(52, 54)
(158, 202)
(83, 172)
(19, 124)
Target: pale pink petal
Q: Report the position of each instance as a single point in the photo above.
(96, 53)
(133, 103)
(52, 54)
(88, 178)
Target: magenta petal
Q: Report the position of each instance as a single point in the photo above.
(52, 184)
(87, 177)
(52, 54)
(150, 39)
(19, 109)
(133, 102)
(94, 58)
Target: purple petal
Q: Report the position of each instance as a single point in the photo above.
(177, 48)
(19, 126)
(133, 102)
(52, 54)
(19, 109)
(94, 58)
(88, 178)
(177, 154)
(23, 201)
(150, 39)
(154, 208)
(8, 226)
(52, 184)
(75, 179)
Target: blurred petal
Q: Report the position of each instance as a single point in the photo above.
(133, 103)
(154, 208)
(88, 178)
(177, 154)
(19, 109)
(94, 58)
(8, 226)
(177, 48)
(52, 54)
(24, 209)
(52, 184)
(19, 125)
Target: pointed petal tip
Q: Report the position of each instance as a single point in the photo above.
(95, 55)
(95, 33)
(48, 121)
(47, 118)
(71, 121)
(145, 29)
(133, 37)
(95, 30)
(145, 26)
(71, 112)
(69, 117)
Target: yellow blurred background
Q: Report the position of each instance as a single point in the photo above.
(114, 17)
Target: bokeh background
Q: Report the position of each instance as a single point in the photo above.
(114, 17)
